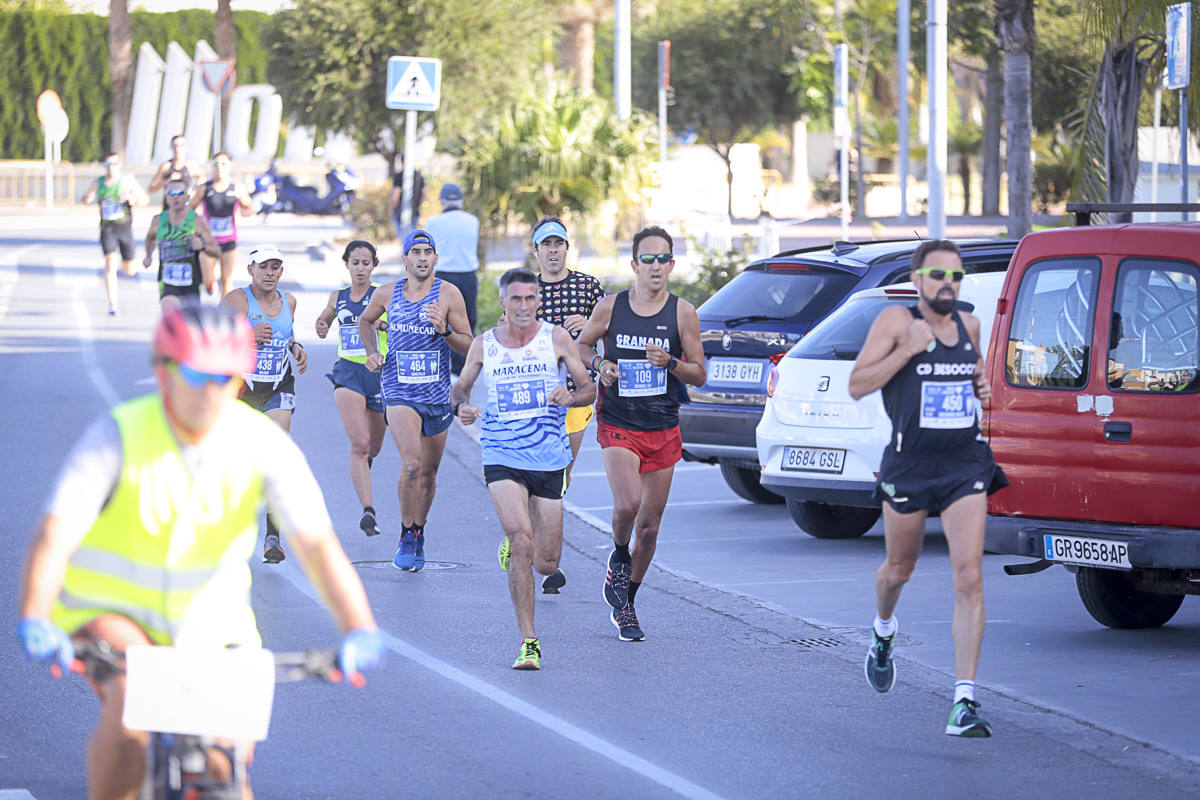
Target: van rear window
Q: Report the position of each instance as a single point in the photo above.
(1050, 339)
(1154, 344)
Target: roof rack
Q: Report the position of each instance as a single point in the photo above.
(1083, 211)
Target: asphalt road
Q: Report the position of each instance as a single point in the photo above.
(750, 681)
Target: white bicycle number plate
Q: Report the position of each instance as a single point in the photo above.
(203, 692)
(1091, 552)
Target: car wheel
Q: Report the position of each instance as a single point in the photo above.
(745, 484)
(832, 522)
(1114, 600)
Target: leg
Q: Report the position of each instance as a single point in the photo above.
(576, 440)
(512, 506)
(228, 263)
(129, 268)
(169, 301)
(405, 424)
(621, 466)
(656, 487)
(281, 417)
(208, 266)
(963, 520)
(352, 408)
(904, 535)
(110, 278)
(376, 428)
(432, 448)
(547, 518)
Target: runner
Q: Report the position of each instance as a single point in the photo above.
(524, 439)
(651, 343)
(356, 389)
(221, 197)
(178, 168)
(927, 362)
(426, 318)
(179, 235)
(147, 534)
(271, 386)
(117, 193)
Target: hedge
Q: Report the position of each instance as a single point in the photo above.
(69, 53)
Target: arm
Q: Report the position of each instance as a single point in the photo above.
(393, 200)
(366, 324)
(460, 392)
(160, 177)
(151, 239)
(691, 369)
(893, 340)
(585, 390)
(195, 202)
(46, 565)
(210, 248)
(451, 314)
(89, 196)
(325, 318)
(595, 329)
(983, 387)
(294, 347)
(245, 204)
(324, 561)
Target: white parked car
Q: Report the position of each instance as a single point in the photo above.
(818, 447)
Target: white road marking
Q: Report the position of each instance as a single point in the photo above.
(16, 794)
(495, 694)
(88, 352)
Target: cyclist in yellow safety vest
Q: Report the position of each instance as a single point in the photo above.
(148, 534)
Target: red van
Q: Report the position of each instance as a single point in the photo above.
(1095, 414)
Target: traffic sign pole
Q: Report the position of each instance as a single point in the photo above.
(406, 195)
(1179, 51)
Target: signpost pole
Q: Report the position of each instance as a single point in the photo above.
(1183, 148)
(1179, 67)
(49, 169)
(406, 197)
(664, 80)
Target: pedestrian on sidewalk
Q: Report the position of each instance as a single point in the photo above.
(926, 361)
(117, 192)
(651, 343)
(524, 444)
(457, 233)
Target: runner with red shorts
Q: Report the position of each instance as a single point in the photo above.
(651, 343)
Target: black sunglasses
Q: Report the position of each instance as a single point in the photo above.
(650, 258)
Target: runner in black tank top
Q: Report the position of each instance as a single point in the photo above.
(926, 362)
(651, 343)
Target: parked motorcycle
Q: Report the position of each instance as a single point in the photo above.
(275, 192)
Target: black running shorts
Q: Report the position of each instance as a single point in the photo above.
(910, 483)
(549, 484)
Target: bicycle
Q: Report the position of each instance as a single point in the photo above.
(179, 762)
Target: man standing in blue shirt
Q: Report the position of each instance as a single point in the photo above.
(457, 234)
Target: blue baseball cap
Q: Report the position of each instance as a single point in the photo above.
(451, 193)
(549, 229)
(419, 236)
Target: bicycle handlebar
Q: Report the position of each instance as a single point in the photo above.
(100, 661)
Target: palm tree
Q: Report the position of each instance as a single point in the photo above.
(225, 34)
(1015, 35)
(577, 47)
(120, 69)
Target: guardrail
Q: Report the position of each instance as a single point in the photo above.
(24, 183)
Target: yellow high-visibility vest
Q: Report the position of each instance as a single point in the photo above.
(171, 549)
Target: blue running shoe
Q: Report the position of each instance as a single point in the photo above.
(965, 721)
(880, 667)
(406, 551)
(419, 551)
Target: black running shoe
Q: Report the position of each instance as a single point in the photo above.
(880, 667)
(626, 623)
(553, 582)
(273, 552)
(616, 582)
(965, 721)
(367, 523)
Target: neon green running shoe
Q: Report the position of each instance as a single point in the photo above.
(531, 655)
(965, 721)
(502, 553)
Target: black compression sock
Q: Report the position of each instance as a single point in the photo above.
(370, 461)
(622, 553)
(633, 587)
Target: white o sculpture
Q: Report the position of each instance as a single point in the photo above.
(266, 133)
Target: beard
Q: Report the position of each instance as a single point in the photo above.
(941, 305)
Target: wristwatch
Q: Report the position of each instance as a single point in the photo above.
(672, 364)
(446, 334)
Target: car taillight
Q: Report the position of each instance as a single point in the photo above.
(777, 357)
(772, 381)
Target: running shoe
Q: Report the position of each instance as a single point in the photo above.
(113, 310)
(273, 552)
(502, 553)
(406, 550)
(368, 524)
(880, 667)
(419, 552)
(553, 582)
(965, 721)
(626, 623)
(531, 655)
(616, 582)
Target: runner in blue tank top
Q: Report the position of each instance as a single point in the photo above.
(356, 389)
(525, 446)
(271, 388)
(651, 343)
(426, 317)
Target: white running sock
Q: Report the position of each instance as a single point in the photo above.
(964, 690)
(885, 627)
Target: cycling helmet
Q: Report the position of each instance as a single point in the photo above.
(206, 338)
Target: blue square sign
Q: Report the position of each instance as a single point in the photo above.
(414, 84)
(1179, 45)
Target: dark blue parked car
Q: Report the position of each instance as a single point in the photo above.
(753, 321)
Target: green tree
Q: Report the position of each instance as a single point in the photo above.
(553, 150)
(1015, 33)
(329, 60)
(731, 67)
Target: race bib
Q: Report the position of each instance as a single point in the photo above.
(947, 405)
(112, 210)
(417, 367)
(350, 344)
(639, 378)
(221, 226)
(520, 399)
(270, 363)
(176, 262)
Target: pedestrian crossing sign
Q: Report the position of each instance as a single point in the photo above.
(414, 84)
